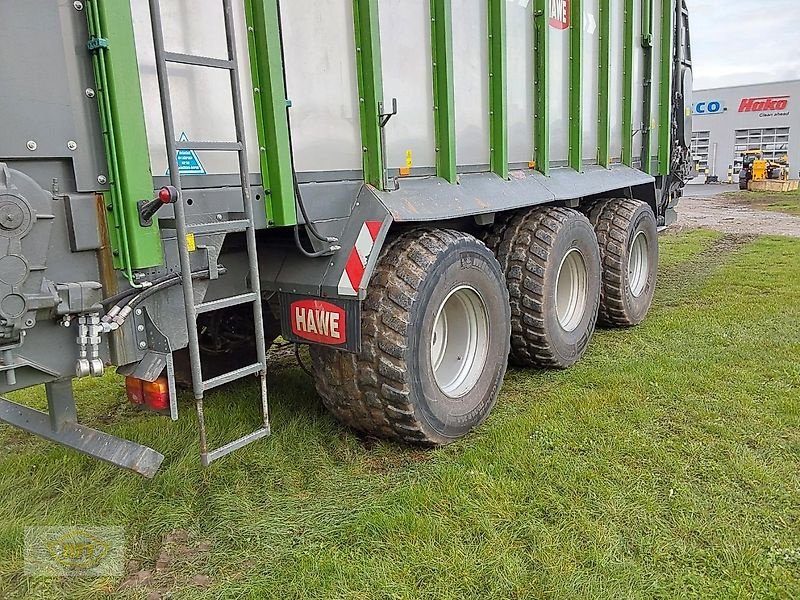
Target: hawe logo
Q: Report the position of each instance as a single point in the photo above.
(318, 321)
(764, 104)
(559, 14)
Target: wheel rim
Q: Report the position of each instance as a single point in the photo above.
(638, 265)
(571, 290)
(460, 341)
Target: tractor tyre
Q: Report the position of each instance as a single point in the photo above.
(627, 233)
(435, 338)
(551, 262)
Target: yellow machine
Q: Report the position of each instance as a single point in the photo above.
(756, 168)
(760, 169)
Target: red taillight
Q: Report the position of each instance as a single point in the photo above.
(152, 394)
(165, 195)
(133, 387)
(156, 394)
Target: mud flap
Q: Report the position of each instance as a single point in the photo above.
(329, 322)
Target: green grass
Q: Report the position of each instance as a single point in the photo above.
(665, 464)
(785, 202)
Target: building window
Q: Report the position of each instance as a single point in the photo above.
(773, 142)
(700, 149)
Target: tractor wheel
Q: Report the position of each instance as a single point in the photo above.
(435, 337)
(627, 234)
(552, 267)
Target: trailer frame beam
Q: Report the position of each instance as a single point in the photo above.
(604, 86)
(575, 85)
(370, 88)
(444, 121)
(541, 118)
(498, 96)
(271, 110)
(665, 89)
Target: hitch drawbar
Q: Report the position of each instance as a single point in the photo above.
(61, 425)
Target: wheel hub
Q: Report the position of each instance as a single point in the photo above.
(638, 264)
(571, 290)
(460, 340)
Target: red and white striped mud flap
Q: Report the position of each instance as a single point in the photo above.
(353, 273)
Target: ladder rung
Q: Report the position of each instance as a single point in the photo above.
(234, 445)
(232, 376)
(199, 61)
(220, 227)
(226, 302)
(209, 146)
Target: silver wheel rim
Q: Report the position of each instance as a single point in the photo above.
(571, 290)
(638, 265)
(460, 341)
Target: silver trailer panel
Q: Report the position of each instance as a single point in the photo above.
(519, 28)
(471, 76)
(201, 97)
(407, 75)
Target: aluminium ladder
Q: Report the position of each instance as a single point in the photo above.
(246, 225)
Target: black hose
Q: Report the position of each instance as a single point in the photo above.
(153, 289)
(111, 300)
(305, 252)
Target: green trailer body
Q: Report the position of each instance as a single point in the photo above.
(251, 168)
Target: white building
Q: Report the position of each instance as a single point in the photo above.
(728, 121)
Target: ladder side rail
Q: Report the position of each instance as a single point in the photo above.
(180, 213)
(244, 172)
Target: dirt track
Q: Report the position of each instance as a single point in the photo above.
(720, 214)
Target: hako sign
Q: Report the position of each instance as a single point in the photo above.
(764, 104)
(559, 14)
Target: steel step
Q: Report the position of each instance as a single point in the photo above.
(220, 227)
(208, 146)
(225, 302)
(207, 459)
(241, 373)
(199, 61)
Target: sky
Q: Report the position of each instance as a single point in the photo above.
(739, 42)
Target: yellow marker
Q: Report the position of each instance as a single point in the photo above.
(409, 162)
(190, 242)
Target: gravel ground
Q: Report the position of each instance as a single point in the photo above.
(710, 211)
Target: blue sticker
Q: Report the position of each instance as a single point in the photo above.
(188, 161)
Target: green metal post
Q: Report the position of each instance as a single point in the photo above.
(575, 85)
(604, 85)
(647, 96)
(272, 122)
(498, 101)
(541, 120)
(627, 86)
(125, 137)
(370, 87)
(665, 91)
(444, 119)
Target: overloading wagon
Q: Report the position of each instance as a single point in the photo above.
(420, 190)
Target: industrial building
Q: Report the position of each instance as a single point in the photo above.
(728, 121)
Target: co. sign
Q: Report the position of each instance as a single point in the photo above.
(709, 108)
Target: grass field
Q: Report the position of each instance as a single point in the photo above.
(785, 202)
(665, 464)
